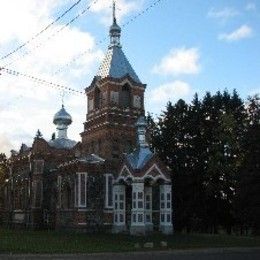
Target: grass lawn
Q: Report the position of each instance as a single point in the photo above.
(59, 242)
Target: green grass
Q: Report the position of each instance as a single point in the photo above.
(59, 242)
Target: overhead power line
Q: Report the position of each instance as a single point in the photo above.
(62, 87)
(40, 32)
(41, 81)
(55, 33)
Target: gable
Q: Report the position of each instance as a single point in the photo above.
(155, 173)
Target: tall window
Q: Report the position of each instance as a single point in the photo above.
(38, 166)
(119, 206)
(126, 96)
(148, 204)
(109, 190)
(37, 194)
(81, 190)
(97, 98)
(165, 205)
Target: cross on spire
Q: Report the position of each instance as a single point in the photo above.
(114, 11)
(62, 98)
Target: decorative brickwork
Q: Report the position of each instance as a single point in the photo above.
(110, 181)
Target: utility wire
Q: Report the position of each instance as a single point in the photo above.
(62, 87)
(40, 32)
(41, 81)
(55, 33)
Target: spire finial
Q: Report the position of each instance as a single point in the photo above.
(62, 98)
(115, 30)
(114, 11)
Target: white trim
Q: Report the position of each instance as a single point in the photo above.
(79, 204)
(138, 207)
(165, 211)
(118, 201)
(124, 177)
(157, 177)
(107, 175)
(154, 166)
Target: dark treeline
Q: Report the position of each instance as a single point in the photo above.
(212, 146)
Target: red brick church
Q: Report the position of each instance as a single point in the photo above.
(109, 181)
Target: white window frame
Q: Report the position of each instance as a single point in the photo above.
(148, 212)
(78, 190)
(119, 199)
(165, 200)
(107, 176)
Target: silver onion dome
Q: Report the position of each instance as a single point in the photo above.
(62, 117)
(115, 28)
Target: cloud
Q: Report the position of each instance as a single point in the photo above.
(22, 19)
(242, 32)
(223, 14)
(179, 61)
(169, 91)
(26, 106)
(250, 7)
(5, 144)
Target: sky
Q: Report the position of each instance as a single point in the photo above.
(177, 48)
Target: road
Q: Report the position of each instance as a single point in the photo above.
(200, 254)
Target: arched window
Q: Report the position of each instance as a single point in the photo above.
(126, 96)
(97, 98)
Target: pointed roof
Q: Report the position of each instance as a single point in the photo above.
(142, 155)
(115, 63)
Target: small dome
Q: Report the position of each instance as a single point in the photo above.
(62, 117)
(114, 28)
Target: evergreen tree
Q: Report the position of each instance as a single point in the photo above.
(248, 186)
(201, 143)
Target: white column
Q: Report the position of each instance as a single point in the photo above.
(148, 209)
(138, 212)
(119, 208)
(166, 209)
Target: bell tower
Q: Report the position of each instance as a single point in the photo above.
(115, 101)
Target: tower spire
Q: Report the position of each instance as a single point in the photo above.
(62, 98)
(115, 30)
(114, 11)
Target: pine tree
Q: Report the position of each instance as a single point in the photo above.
(248, 186)
(201, 143)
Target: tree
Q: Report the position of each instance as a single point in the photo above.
(3, 176)
(248, 186)
(201, 143)
(38, 134)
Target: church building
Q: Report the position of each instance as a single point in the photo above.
(110, 181)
